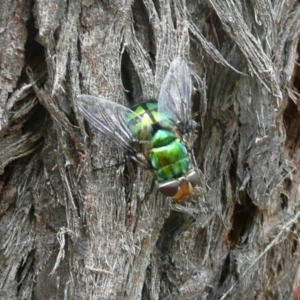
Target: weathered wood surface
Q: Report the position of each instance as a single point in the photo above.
(62, 223)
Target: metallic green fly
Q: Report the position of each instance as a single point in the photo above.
(158, 135)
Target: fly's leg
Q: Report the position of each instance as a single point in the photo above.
(129, 177)
(147, 194)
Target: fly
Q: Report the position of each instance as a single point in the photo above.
(158, 135)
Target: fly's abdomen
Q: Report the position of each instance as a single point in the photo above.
(168, 156)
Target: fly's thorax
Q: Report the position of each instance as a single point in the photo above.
(145, 119)
(180, 188)
(139, 121)
(140, 128)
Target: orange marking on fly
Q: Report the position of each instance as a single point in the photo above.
(185, 189)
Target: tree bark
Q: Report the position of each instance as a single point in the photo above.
(69, 230)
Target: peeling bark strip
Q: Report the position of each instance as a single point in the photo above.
(62, 231)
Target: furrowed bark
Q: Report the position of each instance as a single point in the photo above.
(78, 220)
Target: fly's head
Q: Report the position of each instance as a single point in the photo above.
(181, 188)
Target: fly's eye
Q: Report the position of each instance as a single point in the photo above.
(169, 188)
(193, 178)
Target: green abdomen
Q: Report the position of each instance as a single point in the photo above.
(168, 156)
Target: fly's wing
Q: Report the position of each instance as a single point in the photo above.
(175, 95)
(111, 119)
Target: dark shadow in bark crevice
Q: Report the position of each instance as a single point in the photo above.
(143, 28)
(130, 80)
(242, 220)
(35, 57)
(291, 115)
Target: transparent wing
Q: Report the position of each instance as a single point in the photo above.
(175, 95)
(111, 119)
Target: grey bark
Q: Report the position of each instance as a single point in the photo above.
(65, 228)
